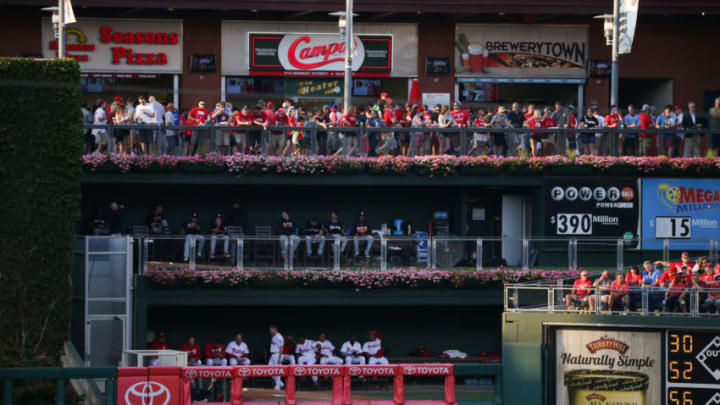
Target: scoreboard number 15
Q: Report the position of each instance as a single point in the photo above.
(672, 227)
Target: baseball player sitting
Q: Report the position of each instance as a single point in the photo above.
(215, 353)
(238, 352)
(326, 350)
(288, 351)
(307, 353)
(352, 352)
(158, 344)
(373, 350)
(193, 352)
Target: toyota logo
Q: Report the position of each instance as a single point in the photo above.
(409, 370)
(147, 393)
(301, 371)
(190, 373)
(355, 370)
(244, 372)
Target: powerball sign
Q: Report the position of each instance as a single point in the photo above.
(680, 209)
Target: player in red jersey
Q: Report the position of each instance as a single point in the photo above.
(215, 353)
(193, 352)
(158, 344)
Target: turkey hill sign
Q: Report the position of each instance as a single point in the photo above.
(312, 55)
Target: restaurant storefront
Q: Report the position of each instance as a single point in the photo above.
(127, 57)
(305, 61)
(501, 63)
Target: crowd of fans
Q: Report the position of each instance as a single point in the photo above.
(232, 129)
(283, 350)
(668, 291)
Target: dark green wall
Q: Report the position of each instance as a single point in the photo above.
(438, 328)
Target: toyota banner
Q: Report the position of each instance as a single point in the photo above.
(591, 207)
(311, 55)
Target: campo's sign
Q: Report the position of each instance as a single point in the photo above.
(508, 50)
(308, 55)
(120, 46)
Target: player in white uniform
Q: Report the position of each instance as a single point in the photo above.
(238, 352)
(373, 349)
(276, 349)
(326, 349)
(307, 353)
(352, 352)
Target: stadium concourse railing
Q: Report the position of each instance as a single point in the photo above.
(334, 140)
(552, 296)
(389, 251)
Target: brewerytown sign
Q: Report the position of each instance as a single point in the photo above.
(313, 55)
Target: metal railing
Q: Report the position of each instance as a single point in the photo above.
(381, 252)
(560, 296)
(11, 374)
(313, 140)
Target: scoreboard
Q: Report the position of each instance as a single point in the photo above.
(633, 366)
(692, 369)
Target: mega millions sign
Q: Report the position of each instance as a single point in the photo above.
(680, 209)
(318, 54)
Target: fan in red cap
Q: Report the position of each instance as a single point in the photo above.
(373, 350)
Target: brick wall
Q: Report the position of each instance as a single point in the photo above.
(20, 33)
(436, 39)
(681, 52)
(200, 37)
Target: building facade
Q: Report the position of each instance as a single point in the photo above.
(476, 52)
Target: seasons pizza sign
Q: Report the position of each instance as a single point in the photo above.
(307, 55)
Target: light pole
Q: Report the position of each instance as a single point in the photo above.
(345, 23)
(611, 27)
(58, 26)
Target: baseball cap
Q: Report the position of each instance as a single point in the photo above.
(194, 215)
(388, 100)
(269, 103)
(281, 110)
(383, 95)
(645, 107)
(652, 107)
(427, 115)
(161, 334)
(361, 214)
(219, 215)
(119, 99)
(678, 107)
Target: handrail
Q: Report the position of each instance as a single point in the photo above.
(60, 374)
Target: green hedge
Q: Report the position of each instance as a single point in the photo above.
(40, 172)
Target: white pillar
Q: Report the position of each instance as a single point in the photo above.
(223, 88)
(176, 90)
(581, 97)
